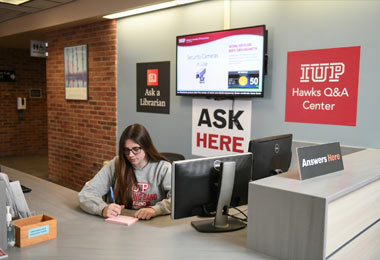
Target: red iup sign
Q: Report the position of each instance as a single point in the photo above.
(322, 86)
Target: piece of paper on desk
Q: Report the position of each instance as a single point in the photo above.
(124, 220)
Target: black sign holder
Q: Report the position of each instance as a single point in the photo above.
(318, 160)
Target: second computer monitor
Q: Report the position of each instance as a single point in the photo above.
(271, 155)
(202, 186)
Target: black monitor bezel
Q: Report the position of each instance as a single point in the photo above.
(226, 94)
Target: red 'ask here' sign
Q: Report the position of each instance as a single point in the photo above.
(322, 86)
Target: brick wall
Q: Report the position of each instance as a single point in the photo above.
(82, 134)
(28, 135)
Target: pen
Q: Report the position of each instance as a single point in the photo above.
(112, 196)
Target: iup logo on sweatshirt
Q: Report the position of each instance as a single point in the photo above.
(141, 187)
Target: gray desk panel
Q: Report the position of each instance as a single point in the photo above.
(83, 236)
(289, 218)
(279, 223)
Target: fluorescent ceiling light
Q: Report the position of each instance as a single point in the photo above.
(14, 2)
(150, 8)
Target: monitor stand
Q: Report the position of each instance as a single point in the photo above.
(221, 222)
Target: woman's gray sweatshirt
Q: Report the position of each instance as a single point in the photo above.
(153, 188)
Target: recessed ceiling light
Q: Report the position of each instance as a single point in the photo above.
(150, 8)
(14, 2)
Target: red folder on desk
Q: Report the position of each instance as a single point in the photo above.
(124, 220)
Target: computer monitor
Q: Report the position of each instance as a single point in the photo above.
(271, 155)
(205, 185)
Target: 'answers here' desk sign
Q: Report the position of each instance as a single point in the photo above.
(318, 160)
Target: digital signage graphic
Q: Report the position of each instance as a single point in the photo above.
(229, 62)
(322, 86)
(153, 87)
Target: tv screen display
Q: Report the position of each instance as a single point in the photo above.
(222, 63)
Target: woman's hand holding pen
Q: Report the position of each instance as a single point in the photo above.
(112, 210)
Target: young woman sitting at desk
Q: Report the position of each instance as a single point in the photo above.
(138, 178)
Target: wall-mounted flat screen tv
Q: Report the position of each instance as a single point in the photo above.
(222, 63)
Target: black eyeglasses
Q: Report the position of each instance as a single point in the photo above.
(134, 150)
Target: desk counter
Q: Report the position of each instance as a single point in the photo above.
(334, 216)
(83, 236)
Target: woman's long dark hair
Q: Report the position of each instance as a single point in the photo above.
(125, 175)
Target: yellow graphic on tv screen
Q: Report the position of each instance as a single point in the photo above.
(243, 81)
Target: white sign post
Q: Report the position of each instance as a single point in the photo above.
(220, 127)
